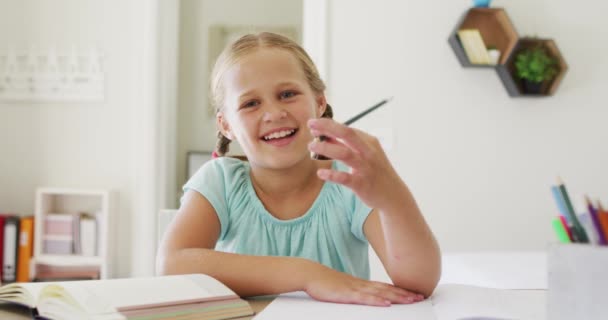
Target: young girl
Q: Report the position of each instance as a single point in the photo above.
(281, 221)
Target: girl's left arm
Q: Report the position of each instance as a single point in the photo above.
(395, 228)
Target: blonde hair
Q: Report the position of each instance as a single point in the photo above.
(246, 45)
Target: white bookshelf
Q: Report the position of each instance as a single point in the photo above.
(97, 203)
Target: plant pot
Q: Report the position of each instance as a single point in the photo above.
(481, 3)
(531, 87)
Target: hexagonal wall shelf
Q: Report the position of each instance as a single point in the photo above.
(507, 73)
(496, 30)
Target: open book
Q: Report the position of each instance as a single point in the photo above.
(194, 296)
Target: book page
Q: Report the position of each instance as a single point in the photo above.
(453, 301)
(57, 303)
(25, 293)
(299, 306)
(449, 302)
(134, 293)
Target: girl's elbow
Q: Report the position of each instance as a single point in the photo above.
(423, 285)
(430, 283)
(423, 281)
(431, 280)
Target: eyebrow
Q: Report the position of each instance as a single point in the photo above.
(246, 94)
(288, 83)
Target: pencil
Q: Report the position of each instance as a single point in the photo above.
(567, 227)
(560, 231)
(559, 200)
(577, 229)
(596, 221)
(368, 110)
(350, 121)
(602, 216)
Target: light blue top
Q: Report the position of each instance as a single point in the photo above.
(330, 232)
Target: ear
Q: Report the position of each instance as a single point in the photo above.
(223, 125)
(321, 105)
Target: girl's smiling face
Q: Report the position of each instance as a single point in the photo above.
(267, 104)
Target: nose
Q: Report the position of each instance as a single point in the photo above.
(274, 112)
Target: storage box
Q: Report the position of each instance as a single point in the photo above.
(58, 245)
(578, 282)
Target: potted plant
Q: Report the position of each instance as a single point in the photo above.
(534, 66)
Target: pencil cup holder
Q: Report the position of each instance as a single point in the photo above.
(577, 282)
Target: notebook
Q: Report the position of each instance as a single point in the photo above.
(193, 296)
(449, 302)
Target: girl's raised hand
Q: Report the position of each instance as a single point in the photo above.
(372, 177)
(326, 284)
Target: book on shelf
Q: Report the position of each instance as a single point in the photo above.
(87, 241)
(2, 219)
(59, 233)
(70, 234)
(10, 249)
(26, 248)
(194, 296)
(474, 47)
(51, 272)
(16, 247)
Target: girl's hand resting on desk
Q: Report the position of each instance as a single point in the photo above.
(333, 286)
(372, 177)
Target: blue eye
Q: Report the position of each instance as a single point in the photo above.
(251, 103)
(287, 94)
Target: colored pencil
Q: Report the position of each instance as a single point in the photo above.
(558, 227)
(596, 221)
(577, 229)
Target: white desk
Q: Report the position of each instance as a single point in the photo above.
(501, 270)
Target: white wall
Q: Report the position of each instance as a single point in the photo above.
(479, 162)
(107, 145)
(196, 126)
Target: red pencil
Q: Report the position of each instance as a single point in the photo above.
(566, 227)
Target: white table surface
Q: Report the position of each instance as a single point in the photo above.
(496, 269)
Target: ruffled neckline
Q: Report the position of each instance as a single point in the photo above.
(271, 218)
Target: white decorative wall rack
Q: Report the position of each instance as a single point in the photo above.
(34, 76)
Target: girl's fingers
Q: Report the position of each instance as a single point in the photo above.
(359, 297)
(393, 297)
(333, 129)
(335, 150)
(319, 137)
(397, 289)
(339, 177)
(393, 294)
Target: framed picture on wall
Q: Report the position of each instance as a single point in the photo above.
(195, 160)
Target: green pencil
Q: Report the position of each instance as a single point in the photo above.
(562, 234)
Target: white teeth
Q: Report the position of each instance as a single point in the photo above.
(279, 134)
